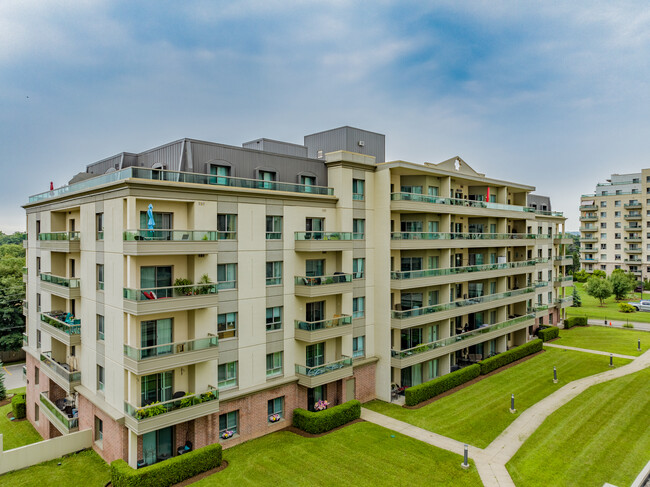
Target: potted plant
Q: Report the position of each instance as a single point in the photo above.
(227, 434)
(274, 418)
(321, 405)
(183, 287)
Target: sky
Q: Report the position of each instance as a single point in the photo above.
(551, 94)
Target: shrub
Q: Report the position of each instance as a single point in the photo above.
(185, 290)
(427, 390)
(628, 325)
(549, 333)
(575, 321)
(625, 308)
(19, 406)
(505, 358)
(169, 472)
(328, 419)
(3, 389)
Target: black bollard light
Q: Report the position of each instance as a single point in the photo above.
(554, 375)
(611, 360)
(512, 404)
(465, 463)
(639, 346)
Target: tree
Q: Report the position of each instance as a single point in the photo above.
(577, 302)
(622, 284)
(598, 288)
(599, 273)
(12, 294)
(3, 389)
(580, 276)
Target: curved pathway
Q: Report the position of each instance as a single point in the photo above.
(491, 461)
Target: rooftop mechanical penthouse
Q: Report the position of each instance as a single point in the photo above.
(198, 293)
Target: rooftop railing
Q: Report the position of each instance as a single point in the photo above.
(403, 314)
(181, 177)
(400, 275)
(325, 368)
(457, 338)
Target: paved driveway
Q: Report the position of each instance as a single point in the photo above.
(13, 376)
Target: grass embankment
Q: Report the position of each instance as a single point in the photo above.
(16, 433)
(612, 340)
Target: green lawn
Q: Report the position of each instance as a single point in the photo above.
(592, 309)
(85, 468)
(478, 413)
(600, 436)
(15, 434)
(613, 340)
(362, 454)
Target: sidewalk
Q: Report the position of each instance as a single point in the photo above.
(587, 350)
(619, 324)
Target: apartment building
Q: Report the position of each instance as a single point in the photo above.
(614, 227)
(199, 293)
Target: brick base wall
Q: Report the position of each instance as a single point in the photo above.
(364, 385)
(115, 435)
(44, 428)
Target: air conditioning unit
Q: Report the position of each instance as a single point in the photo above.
(361, 143)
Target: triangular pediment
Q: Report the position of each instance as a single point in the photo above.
(456, 164)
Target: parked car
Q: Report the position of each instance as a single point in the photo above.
(641, 305)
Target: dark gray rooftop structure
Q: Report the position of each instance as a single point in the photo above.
(349, 139)
(538, 202)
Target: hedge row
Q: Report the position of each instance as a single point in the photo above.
(169, 472)
(575, 321)
(505, 358)
(19, 406)
(427, 390)
(549, 333)
(328, 419)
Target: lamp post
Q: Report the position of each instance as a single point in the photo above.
(554, 375)
(512, 404)
(465, 463)
(611, 360)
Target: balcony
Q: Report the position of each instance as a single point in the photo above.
(314, 286)
(62, 326)
(563, 281)
(25, 340)
(171, 298)
(175, 177)
(563, 260)
(64, 287)
(59, 241)
(589, 218)
(589, 240)
(318, 331)
(173, 242)
(564, 302)
(417, 316)
(185, 407)
(585, 260)
(421, 203)
(588, 208)
(64, 417)
(588, 250)
(633, 261)
(633, 239)
(324, 374)
(633, 216)
(563, 238)
(25, 274)
(62, 374)
(427, 351)
(630, 250)
(633, 228)
(430, 277)
(539, 310)
(541, 284)
(632, 206)
(430, 240)
(148, 360)
(25, 308)
(589, 228)
(325, 241)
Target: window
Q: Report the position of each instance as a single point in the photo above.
(315, 224)
(617, 224)
(222, 173)
(227, 325)
(308, 182)
(273, 273)
(100, 277)
(411, 189)
(617, 214)
(274, 318)
(358, 346)
(228, 422)
(603, 214)
(273, 228)
(276, 409)
(358, 228)
(226, 227)
(603, 204)
(38, 339)
(267, 178)
(617, 256)
(38, 228)
(274, 364)
(100, 378)
(37, 376)
(358, 268)
(603, 246)
(314, 395)
(319, 154)
(603, 235)
(315, 354)
(358, 189)
(227, 375)
(358, 307)
(100, 327)
(635, 180)
(99, 224)
(36, 413)
(226, 276)
(99, 430)
(433, 190)
(603, 256)
(617, 246)
(617, 236)
(603, 225)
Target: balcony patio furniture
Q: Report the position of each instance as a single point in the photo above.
(186, 448)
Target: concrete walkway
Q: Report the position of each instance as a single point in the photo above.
(587, 350)
(619, 324)
(491, 461)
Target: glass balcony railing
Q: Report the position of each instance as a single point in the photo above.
(24, 271)
(449, 271)
(400, 315)
(558, 258)
(564, 279)
(325, 368)
(25, 340)
(537, 308)
(539, 284)
(588, 207)
(158, 408)
(177, 235)
(62, 321)
(69, 236)
(632, 206)
(71, 423)
(328, 236)
(62, 370)
(323, 324)
(169, 292)
(322, 280)
(70, 282)
(181, 177)
(568, 299)
(558, 236)
(463, 236)
(589, 218)
(175, 348)
(457, 338)
(633, 228)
